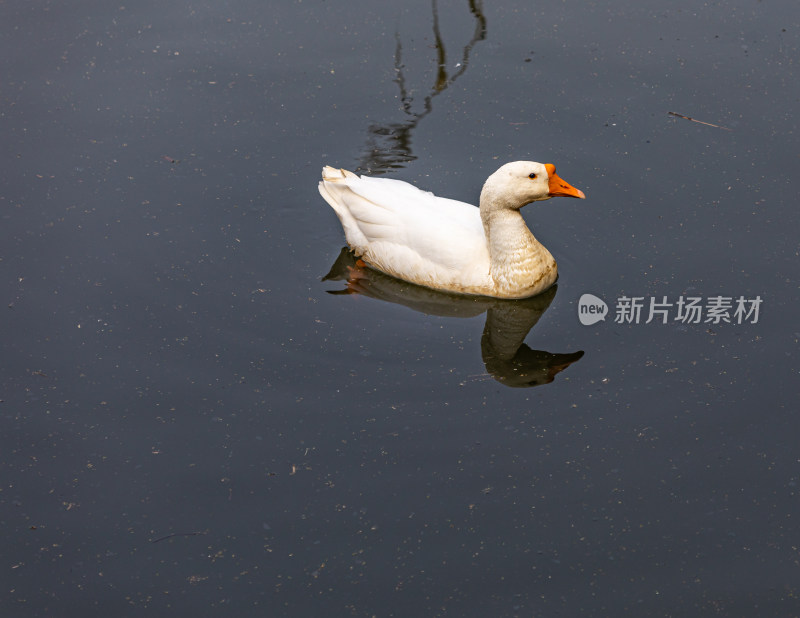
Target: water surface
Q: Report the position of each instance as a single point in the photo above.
(193, 425)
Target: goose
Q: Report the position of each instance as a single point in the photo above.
(446, 244)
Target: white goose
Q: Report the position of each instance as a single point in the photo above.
(446, 244)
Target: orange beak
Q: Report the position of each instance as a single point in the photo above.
(560, 187)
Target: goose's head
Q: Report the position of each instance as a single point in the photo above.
(522, 182)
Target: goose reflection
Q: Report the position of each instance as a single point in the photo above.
(507, 358)
(389, 145)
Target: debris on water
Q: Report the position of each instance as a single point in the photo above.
(708, 124)
(175, 534)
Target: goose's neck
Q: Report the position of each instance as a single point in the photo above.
(517, 260)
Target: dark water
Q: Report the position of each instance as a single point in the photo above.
(192, 425)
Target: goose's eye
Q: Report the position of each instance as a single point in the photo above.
(532, 176)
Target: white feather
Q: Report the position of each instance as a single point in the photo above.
(442, 243)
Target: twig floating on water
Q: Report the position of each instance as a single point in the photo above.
(708, 124)
(169, 536)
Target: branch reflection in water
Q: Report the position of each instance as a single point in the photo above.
(507, 358)
(389, 145)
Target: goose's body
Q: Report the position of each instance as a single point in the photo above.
(446, 244)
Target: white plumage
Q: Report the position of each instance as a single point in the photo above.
(446, 244)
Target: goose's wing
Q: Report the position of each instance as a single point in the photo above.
(400, 228)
